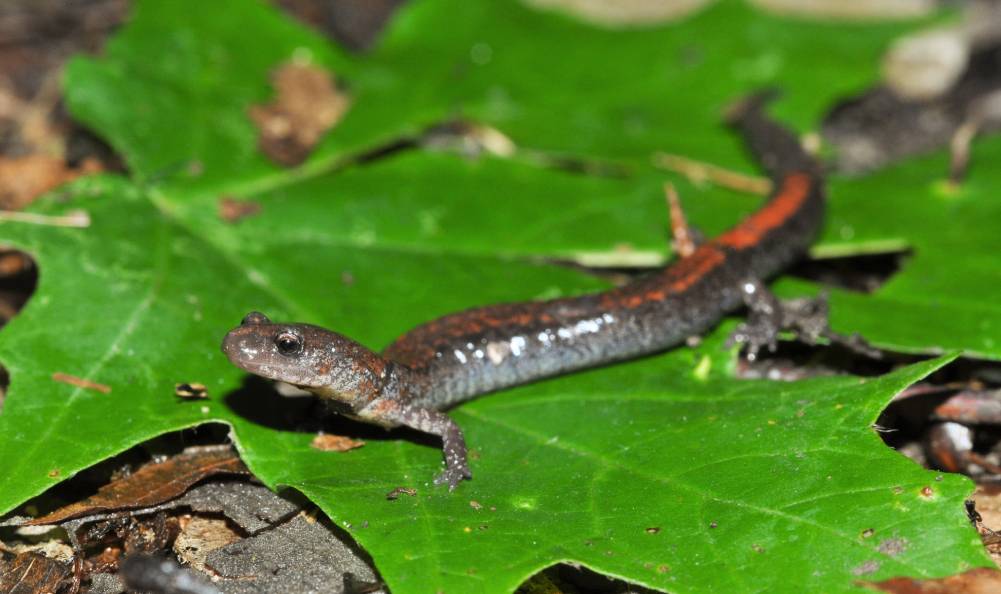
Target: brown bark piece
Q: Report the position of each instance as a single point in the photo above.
(201, 535)
(152, 484)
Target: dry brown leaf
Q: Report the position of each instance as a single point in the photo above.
(152, 484)
(232, 210)
(22, 179)
(307, 105)
(31, 572)
(981, 580)
(335, 443)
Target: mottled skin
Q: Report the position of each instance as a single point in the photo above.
(465, 354)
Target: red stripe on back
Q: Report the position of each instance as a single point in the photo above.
(794, 192)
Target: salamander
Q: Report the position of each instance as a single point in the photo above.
(455, 358)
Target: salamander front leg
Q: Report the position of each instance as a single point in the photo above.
(764, 319)
(435, 423)
(806, 317)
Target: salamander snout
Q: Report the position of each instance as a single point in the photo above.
(275, 351)
(304, 355)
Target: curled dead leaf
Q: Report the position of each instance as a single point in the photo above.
(152, 484)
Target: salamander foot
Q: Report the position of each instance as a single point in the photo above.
(453, 443)
(806, 317)
(453, 476)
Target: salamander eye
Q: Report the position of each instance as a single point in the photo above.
(255, 317)
(288, 343)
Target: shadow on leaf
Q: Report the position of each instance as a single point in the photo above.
(259, 402)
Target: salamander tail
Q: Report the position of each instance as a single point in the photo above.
(750, 106)
(777, 149)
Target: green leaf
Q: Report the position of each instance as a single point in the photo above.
(640, 472)
(140, 301)
(608, 94)
(578, 468)
(557, 84)
(948, 293)
(544, 79)
(172, 92)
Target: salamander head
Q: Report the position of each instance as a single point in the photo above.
(312, 358)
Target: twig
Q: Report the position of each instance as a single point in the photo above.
(75, 218)
(985, 111)
(80, 382)
(683, 241)
(700, 172)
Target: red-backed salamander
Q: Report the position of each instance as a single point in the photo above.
(463, 355)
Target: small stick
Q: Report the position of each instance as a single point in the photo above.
(80, 382)
(683, 242)
(76, 218)
(959, 149)
(922, 389)
(700, 172)
(983, 112)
